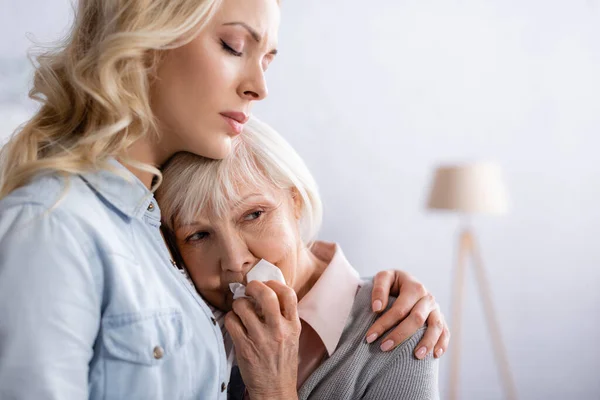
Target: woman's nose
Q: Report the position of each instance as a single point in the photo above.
(254, 86)
(236, 256)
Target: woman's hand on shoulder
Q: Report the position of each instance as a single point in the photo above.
(413, 307)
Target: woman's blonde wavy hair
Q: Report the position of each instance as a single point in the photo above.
(94, 88)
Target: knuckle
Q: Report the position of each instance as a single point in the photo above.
(279, 334)
(290, 295)
(270, 296)
(376, 328)
(398, 336)
(420, 289)
(296, 325)
(419, 318)
(398, 313)
(383, 274)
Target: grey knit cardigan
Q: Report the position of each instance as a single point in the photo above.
(357, 370)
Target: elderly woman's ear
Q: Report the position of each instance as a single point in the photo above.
(298, 202)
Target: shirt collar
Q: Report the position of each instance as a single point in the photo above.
(122, 189)
(328, 303)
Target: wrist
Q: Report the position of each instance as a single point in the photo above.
(274, 394)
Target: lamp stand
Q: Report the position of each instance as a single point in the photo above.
(468, 247)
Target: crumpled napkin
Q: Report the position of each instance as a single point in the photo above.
(263, 271)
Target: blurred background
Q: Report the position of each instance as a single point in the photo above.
(375, 95)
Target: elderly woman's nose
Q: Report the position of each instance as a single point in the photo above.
(236, 255)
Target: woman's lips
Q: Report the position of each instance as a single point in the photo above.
(235, 120)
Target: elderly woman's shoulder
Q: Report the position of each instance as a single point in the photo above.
(357, 369)
(362, 315)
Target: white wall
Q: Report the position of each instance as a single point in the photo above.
(375, 94)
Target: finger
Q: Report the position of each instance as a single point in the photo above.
(235, 327)
(266, 299)
(382, 285)
(410, 325)
(248, 316)
(435, 328)
(404, 304)
(288, 301)
(442, 344)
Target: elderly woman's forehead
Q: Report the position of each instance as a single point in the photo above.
(248, 192)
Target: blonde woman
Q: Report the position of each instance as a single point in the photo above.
(261, 202)
(91, 305)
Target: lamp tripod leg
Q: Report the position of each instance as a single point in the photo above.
(493, 326)
(457, 306)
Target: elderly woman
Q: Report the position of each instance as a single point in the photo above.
(261, 202)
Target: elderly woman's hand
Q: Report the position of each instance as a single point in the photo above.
(266, 337)
(413, 307)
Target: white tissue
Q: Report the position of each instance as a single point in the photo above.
(263, 271)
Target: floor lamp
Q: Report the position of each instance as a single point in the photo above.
(467, 190)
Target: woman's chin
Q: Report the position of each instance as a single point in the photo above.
(217, 149)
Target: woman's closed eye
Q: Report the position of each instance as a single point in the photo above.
(230, 49)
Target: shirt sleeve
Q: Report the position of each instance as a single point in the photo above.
(405, 377)
(49, 304)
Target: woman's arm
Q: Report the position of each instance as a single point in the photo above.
(405, 377)
(49, 306)
(413, 307)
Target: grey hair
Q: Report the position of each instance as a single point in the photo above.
(259, 157)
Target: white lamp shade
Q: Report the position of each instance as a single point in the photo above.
(471, 188)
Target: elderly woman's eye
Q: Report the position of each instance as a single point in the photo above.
(254, 215)
(197, 237)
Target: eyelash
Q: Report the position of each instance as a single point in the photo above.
(189, 238)
(259, 212)
(229, 49)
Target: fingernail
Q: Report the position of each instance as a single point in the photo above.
(371, 338)
(387, 345)
(377, 305)
(439, 353)
(421, 352)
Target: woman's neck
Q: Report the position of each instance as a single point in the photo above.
(311, 349)
(311, 268)
(147, 151)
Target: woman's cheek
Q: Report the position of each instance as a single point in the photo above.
(273, 240)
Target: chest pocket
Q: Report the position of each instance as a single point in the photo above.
(145, 355)
(148, 339)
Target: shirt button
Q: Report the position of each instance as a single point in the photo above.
(150, 207)
(214, 321)
(158, 352)
(223, 387)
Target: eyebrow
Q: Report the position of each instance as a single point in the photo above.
(255, 35)
(238, 203)
(242, 200)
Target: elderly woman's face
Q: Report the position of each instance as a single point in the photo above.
(219, 251)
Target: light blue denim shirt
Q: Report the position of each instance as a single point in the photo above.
(90, 304)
